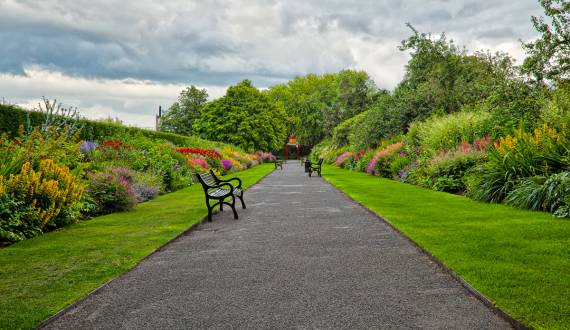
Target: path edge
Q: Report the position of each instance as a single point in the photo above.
(95, 291)
(472, 290)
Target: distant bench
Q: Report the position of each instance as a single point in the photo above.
(316, 167)
(218, 189)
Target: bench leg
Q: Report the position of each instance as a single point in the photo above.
(209, 210)
(233, 205)
(241, 199)
(222, 205)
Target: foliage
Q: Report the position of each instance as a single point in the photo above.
(341, 135)
(537, 193)
(244, 117)
(13, 118)
(317, 104)
(380, 163)
(548, 55)
(111, 191)
(345, 159)
(34, 201)
(446, 171)
(181, 115)
(447, 132)
(517, 156)
(147, 186)
(40, 277)
(56, 117)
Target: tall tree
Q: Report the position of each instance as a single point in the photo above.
(181, 115)
(549, 55)
(245, 117)
(317, 104)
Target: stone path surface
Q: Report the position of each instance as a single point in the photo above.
(303, 255)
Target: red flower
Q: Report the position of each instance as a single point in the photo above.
(209, 153)
(113, 144)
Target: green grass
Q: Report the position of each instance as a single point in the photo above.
(519, 259)
(40, 276)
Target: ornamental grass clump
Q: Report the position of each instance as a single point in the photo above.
(522, 154)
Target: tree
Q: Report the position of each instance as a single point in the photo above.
(181, 115)
(317, 104)
(244, 117)
(549, 55)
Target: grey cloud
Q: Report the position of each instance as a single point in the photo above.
(220, 42)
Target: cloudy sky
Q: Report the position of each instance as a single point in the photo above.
(125, 58)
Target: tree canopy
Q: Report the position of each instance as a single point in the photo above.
(317, 104)
(245, 117)
(181, 115)
(549, 55)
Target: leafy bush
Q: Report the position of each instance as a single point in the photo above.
(147, 186)
(363, 160)
(345, 159)
(37, 200)
(111, 191)
(380, 163)
(446, 132)
(398, 164)
(341, 133)
(517, 156)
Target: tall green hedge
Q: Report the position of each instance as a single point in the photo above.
(12, 117)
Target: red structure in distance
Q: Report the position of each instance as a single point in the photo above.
(292, 141)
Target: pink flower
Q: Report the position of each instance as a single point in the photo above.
(342, 158)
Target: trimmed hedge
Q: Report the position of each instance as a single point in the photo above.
(12, 117)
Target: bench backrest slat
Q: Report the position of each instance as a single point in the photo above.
(206, 179)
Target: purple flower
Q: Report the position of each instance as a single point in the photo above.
(372, 165)
(87, 147)
(226, 164)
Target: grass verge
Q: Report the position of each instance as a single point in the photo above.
(41, 276)
(519, 259)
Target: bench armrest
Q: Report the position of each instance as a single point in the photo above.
(233, 179)
(222, 185)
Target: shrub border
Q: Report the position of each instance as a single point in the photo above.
(474, 292)
(95, 291)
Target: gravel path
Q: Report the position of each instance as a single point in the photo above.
(302, 255)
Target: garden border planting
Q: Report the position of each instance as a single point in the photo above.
(262, 170)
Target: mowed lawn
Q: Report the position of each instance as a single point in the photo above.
(519, 259)
(41, 276)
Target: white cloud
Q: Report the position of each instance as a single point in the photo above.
(124, 58)
(133, 101)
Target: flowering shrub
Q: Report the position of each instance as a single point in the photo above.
(146, 186)
(209, 153)
(197, 162)
(520, 155)
(112, 144)
(227, 164)
(36, 200)
(379, 164)
(266, 157)
(110, 191)
(340, 160)
(86, 147)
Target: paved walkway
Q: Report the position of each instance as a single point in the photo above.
(302, 255)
